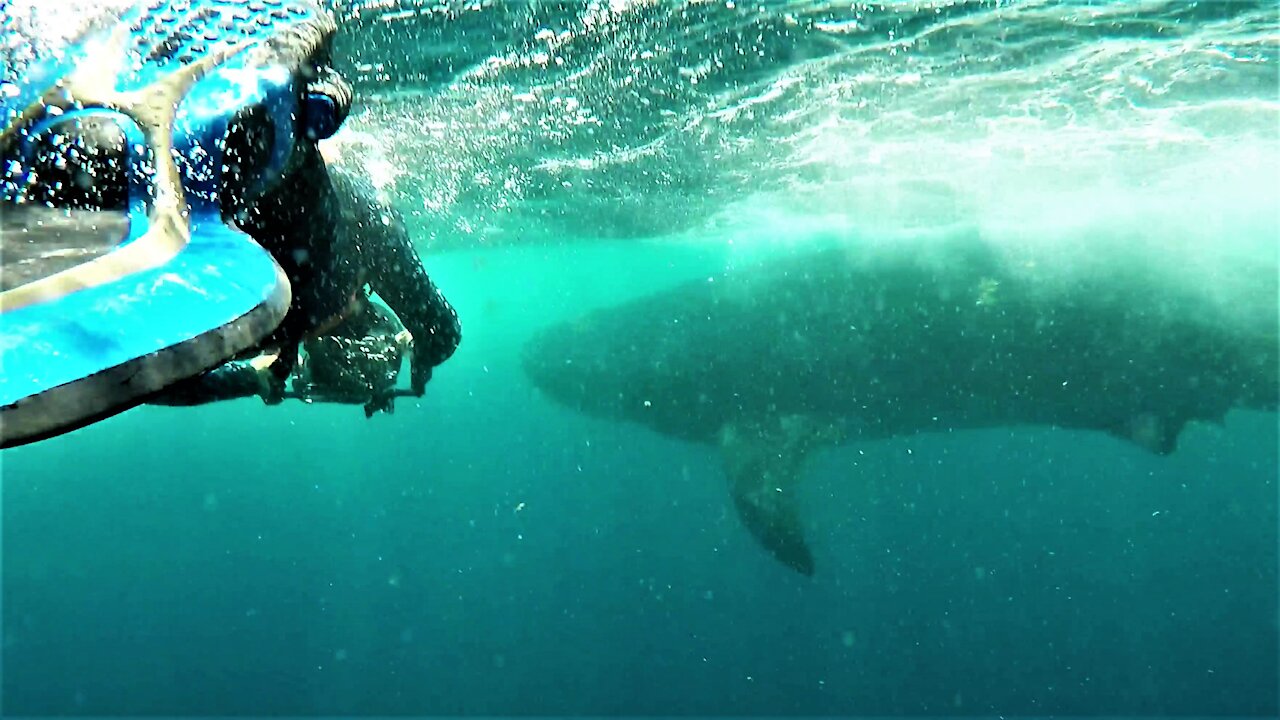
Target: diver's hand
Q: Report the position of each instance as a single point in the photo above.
(271, 386)
(420, 367)
(381, 403)
(420, 375)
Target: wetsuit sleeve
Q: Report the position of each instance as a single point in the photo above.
(229, 381)
(397, 275)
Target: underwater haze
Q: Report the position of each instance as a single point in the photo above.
(488, 549)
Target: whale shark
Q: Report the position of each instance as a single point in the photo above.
(771, 361)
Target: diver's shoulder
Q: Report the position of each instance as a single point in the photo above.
(347, 182)
(362, 209)
(355, 190)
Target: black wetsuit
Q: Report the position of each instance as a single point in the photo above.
(332, 236)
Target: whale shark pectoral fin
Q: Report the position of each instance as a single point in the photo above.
(1151, 432)
(769, 513)
(763, 462)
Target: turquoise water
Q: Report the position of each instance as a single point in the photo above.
(486, 551)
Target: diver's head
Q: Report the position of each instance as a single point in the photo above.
(268, 143)
(322, 103)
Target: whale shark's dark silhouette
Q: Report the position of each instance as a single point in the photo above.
(772, 361)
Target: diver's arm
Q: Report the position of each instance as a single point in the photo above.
(230, 381)
(397, 275)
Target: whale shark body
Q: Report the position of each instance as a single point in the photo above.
(772, 361)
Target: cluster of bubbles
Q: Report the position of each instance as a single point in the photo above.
(491, 123)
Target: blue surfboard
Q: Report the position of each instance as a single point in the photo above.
(103, 304)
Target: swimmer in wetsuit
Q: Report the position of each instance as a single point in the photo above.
(164, 209)
(335, 241)
(334, 238)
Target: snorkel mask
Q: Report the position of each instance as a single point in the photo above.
(118, 158)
